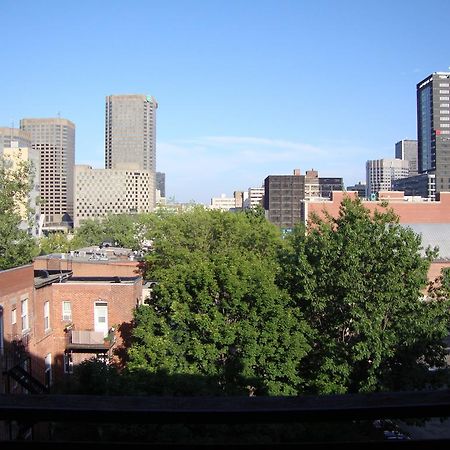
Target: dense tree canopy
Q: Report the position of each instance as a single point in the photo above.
(359, 280)
(17, 247)
(217, 311)
(336, 309)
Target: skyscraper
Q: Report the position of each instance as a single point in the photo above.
(380, 173)
(55, 141)
(407, 149)
(9, 135)
(161, 183)
(433, 128)
(130, 132)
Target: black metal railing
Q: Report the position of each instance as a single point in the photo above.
(233, 411)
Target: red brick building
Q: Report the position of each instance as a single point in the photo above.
(430, 219)
(51, 320)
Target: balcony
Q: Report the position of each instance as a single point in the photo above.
(89, 341)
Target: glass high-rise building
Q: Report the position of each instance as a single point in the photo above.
(130, 132)
(54, 139)
(433, 128)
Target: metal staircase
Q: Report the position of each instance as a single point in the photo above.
(26, 380)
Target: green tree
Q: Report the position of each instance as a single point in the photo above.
(121, 228)
(217, 312)
(359, 280)
(17, 247)
(55, 243)
(90, 232)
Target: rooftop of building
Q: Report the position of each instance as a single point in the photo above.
(45, 277)
(104, 253)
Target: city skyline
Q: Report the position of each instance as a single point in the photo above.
(244, 89)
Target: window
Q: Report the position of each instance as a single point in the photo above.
(14, 316)
(444, 98)
(66, 311)
(46, 316)
(24, 305)
(48, 370)
(68, 363)
(444, 91)
(444, 111)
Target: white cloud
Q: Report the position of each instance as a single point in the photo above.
(204, 167)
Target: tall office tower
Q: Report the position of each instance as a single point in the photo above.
(130, 132)
(433, 128)
(161, 183)
(380, 173)
(407, 149)
(55, 141)
(282, 198)
(8, 135)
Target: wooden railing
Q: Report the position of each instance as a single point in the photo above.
(231, 410)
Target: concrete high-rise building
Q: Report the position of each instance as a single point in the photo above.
(284, 195)
(100, 192)
(130, 132)
(422, 185)
(282, 198)
(380, 173)
(407, 149)
(359, 187)
(161, 183)
(9, 135)
(433, 128)
(54, 139)
(255, 197)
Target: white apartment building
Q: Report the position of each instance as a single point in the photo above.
(100, 192)
(255, 197)
(380, 173)
(223, 203)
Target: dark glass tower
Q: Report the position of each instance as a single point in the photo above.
(433, 128)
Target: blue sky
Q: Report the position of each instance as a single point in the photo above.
(245, 88)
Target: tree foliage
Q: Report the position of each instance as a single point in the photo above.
(338, 307)
(359, 280)
(17, 247)
(121, 228)
(217, 311)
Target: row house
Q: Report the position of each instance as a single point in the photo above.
(51, 320)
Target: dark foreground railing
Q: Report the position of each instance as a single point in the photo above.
(231, 411)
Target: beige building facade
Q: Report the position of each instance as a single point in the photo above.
(100, 192)
(54, 140)
(28, 206)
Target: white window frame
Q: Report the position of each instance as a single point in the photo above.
(13, 316)
(46, 316)
(25, 318)
(66, 312)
